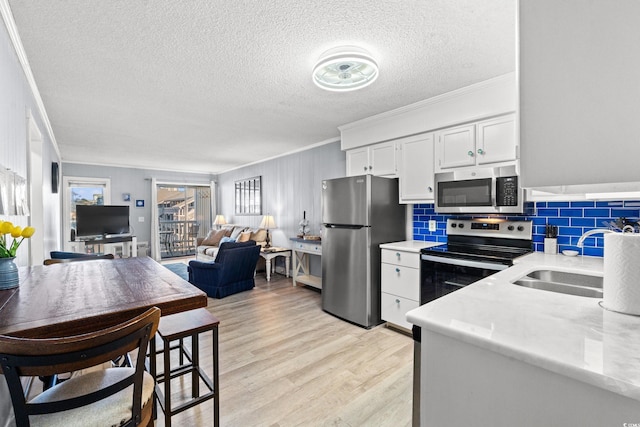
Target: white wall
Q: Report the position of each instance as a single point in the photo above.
(290, 185)
(16, 99)
(136, 182)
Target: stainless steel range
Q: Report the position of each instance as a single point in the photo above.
(476, 248)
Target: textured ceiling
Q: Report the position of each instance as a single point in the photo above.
(207, 86)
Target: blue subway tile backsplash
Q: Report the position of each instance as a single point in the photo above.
(572, 218)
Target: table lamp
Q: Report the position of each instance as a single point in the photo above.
(267, 223)
(219, 221)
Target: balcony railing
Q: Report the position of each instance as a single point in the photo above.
(177, 238)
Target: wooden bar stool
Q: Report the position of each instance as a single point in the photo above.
(177, 327)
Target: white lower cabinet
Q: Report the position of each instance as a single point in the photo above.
(400, 282)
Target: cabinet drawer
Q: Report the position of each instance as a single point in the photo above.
(401, 281)
(310, 247)
(395, 308)
(408, 259)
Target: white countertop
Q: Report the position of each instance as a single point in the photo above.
(409, 245)
(566, 334)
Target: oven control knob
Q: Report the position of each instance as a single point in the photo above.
(520, 228)
(461, 225)
(510, 228)
(454, 225)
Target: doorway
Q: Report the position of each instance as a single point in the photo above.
(184, 214)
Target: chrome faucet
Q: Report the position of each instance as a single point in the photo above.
(590, 232)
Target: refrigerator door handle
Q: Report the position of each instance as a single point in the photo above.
(348, 226)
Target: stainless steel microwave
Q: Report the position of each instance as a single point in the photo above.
(479, 190)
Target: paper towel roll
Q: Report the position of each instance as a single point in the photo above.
(621, 287)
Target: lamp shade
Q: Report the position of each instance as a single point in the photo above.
(268, 222)
(219, 220)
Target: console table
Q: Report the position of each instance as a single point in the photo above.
(129, 245)
(302, 250)
(271, 253)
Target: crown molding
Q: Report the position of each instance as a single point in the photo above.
(496, 81)
(12, 30)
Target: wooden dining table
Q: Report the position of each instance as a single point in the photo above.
(78, 297)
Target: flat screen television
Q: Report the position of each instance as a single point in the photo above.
(99, 220)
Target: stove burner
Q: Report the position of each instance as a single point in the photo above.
(494, 240)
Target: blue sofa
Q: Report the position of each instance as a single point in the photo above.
(232, 271)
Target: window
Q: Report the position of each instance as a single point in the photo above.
(82, 191)
(249, 196)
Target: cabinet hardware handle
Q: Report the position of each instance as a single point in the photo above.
(397, 301)
(470, 153)
(480, 151)
(398, 254)
(370, 167)
(365, 168)
(397, 270)
(430, 189)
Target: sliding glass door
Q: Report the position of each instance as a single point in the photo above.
(184, 213)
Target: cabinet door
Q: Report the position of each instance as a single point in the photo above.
(455, 147)
(394, 309)
(496, 140)
(383, 159)
(416, 168)
(358, 161)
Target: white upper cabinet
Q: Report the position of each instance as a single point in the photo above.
(456, 147)
(496, 140)
(415, 168)
(483, 143)
(377, 159)
(358, 161)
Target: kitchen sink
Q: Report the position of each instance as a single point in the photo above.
(563, 282)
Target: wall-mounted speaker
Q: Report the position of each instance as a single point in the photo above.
(55, 177)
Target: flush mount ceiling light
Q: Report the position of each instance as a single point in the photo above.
(345, 68)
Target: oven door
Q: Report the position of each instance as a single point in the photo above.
(442, 275)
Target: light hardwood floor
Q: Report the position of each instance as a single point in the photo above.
(285, 362)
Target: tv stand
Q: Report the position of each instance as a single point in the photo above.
(128, 246)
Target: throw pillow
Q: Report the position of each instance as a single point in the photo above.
(226, 239)
(244, 237)
(259, 235)
(213, 238)
(236, 232)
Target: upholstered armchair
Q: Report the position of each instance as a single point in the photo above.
(232, 271)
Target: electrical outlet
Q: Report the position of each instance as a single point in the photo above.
(140, 219)
(432, 225)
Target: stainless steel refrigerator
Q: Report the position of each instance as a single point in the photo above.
(358, 214)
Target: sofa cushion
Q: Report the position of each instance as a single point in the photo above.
(214, 237)
(259, 235)
(245, 236)
(236, 232)
(226, 239)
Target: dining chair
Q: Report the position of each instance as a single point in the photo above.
(105, 397)
(77, 259)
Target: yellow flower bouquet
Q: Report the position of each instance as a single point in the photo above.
(18, 233)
